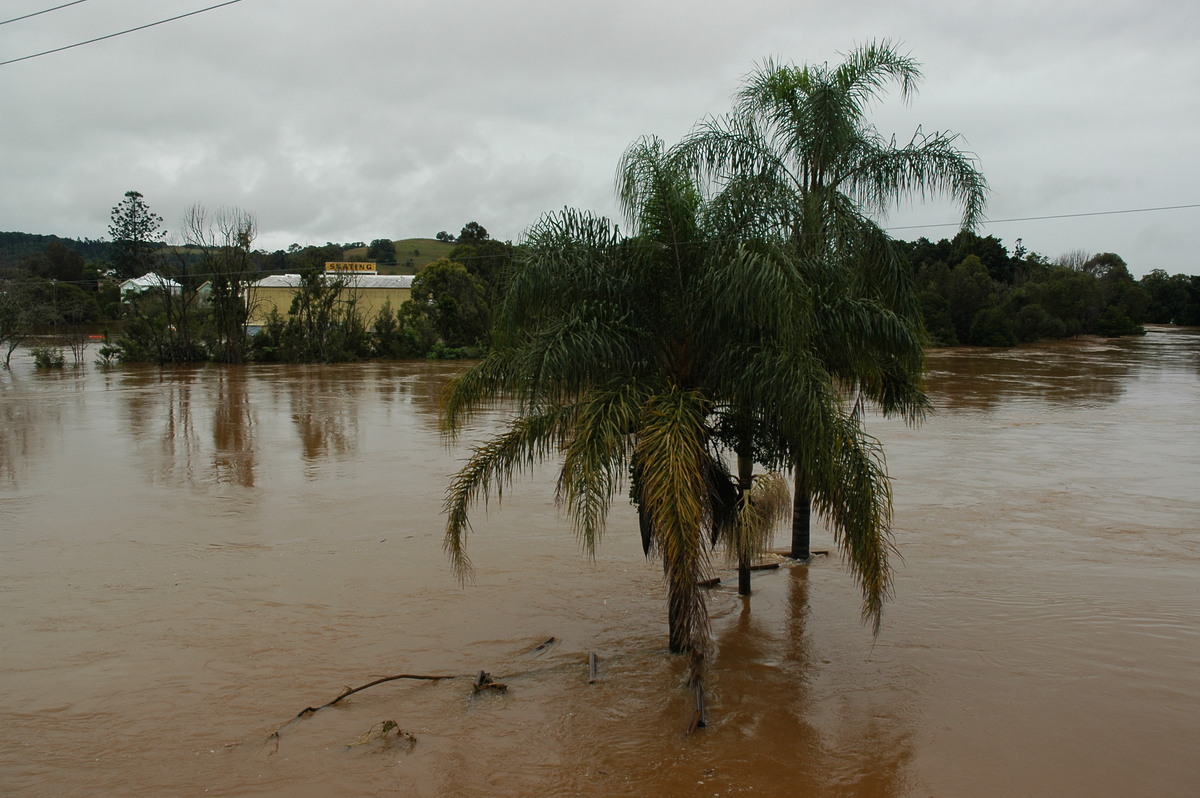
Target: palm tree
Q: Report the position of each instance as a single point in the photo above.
(797, 158)
(638, 360)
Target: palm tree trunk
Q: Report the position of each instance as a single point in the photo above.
(801, 520)
(745, 463)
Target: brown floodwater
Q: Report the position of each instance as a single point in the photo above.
(189, 557)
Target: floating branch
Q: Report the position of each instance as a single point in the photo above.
(484, 681)
(352, 690)
(543, 647)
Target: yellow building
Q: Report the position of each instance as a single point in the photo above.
(370, 291)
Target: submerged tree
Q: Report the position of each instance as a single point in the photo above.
(222, 244)
(797, 158)
(22, 310)
(642, 359)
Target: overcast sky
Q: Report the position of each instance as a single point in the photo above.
(351, 120)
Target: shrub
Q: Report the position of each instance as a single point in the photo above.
(48, 357)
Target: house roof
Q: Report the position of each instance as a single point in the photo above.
(352, 279)
(147, 281)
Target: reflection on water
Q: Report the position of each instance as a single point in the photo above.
(324, 408)
(974, 379)
(158, 414)
(233, 429)
(190, 556)
(23, 426)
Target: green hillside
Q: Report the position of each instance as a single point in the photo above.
(412, 254)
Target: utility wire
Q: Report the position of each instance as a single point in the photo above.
(119, 33)
(43, 11)
(986, 222)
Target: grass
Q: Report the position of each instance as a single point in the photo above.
(412, 255)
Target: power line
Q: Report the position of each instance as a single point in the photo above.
(1052, 216)
(43, 11)
(119, 33)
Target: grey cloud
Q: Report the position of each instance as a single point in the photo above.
(345, 121)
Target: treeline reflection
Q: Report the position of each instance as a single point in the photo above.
(171, 414)
(1067, 373)
(216, 424)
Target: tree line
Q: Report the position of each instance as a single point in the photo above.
(196, 306)
(972, 290)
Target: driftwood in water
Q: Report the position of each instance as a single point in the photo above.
(484, 681)
(543, 647)
(766, 566)
(352, 690)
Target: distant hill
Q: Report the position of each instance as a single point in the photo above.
(15, 247)
(412, 254)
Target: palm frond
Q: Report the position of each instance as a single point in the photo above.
(492, 466)
(867, 69)
(672, 445)
(760, 511)
(850, 489)
(927, 167)
(596, 458)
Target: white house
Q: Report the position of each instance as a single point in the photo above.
(140, 285)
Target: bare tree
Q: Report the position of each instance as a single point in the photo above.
(19, 315)
(1074, 260)
(223, 244)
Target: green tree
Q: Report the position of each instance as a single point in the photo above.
(472, 233)
(991, 327)
(1123, 293)
(57, 262)
(382, 250)
(1074, 297)
(1103, 263)
(137, 234)
(988, 250)
(797, 157)
(968, 290)
(323, 324)
(935, 310)
(453, 299)
(489, 261)
(641, 358)
(1170, 296)
(1033, 323)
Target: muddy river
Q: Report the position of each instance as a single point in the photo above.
(189, 558)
